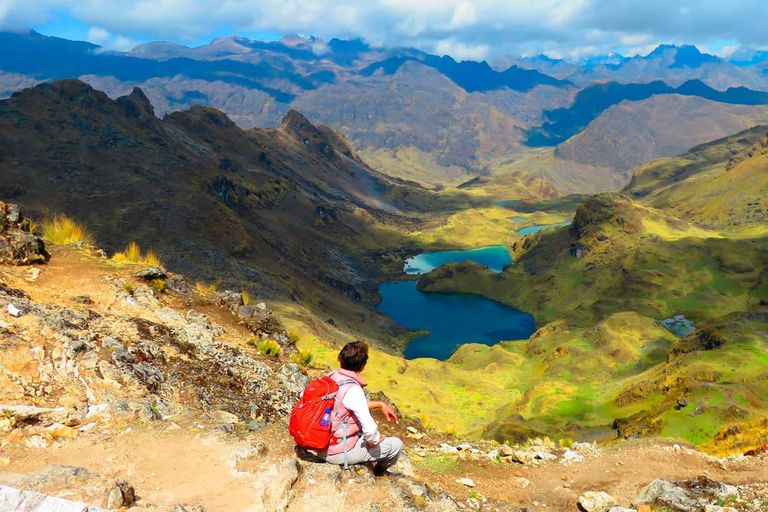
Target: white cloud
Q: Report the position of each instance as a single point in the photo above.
(727, 51)
(461, 51)
(463, 15)
(320, 48)
(470, 27)
(109, 41)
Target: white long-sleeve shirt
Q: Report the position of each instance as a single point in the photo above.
(355, 401)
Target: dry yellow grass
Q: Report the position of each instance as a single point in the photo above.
(133, 254)
(63, 230)
(204, 288)
(734, 439)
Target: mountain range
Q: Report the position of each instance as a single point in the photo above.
(409, 114)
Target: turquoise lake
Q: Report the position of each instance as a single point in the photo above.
(512, 202)
(493, 257)
(534, 229)
(452, 319)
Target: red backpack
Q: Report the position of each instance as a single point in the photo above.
(305, 426)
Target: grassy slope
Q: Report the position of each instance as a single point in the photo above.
(566, 176)
(720, 185)
(640, 265)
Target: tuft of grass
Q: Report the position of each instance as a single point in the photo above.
(158, 285)
(246, 297)
(426, 423)
(128, 287)
(133, 254)
(541, 441)
(251, 342)
(63, 230)
(269, 348)
(293, 338)
(204, 288)
(150, 258)
(32, 226)
(565, 442)
(303, 357)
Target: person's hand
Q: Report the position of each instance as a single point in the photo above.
(389, 413)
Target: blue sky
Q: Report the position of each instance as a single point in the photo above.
(465, 29)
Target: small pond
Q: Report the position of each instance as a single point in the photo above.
(679, 325)
(534, 229)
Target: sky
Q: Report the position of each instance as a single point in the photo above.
(464, 29)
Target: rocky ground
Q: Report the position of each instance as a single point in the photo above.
(122, 387)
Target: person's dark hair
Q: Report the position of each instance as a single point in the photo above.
(353, 356)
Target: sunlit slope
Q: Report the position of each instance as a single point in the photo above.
(632, 133)
(602, 363)
(617, 256)
(567, 176)
(722, 185)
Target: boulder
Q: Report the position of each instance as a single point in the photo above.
(506, 451)
(688, 496)
(596, 502)
(152, 273)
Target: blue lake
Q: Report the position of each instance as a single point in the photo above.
(513, 202)
(534, 229)
(452, 319)
(493, 257)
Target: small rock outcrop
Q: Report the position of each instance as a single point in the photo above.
(18, 246)
(688, 496)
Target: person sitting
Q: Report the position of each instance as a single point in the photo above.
(351, 419)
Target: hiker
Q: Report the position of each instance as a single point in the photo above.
(364, 442)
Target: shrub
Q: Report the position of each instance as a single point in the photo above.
(303, 357)
(133, 254)
(269, 348)
(63, 230)
(246, 297)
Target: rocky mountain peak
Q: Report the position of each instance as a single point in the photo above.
(598, 210)
(136, 104)
(322, 140)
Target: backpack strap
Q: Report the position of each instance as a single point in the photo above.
(344, 422)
